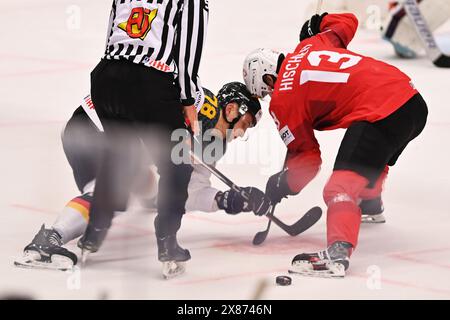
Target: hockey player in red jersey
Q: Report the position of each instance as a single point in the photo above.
(324, 86)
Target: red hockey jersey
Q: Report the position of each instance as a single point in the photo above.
(324, 86)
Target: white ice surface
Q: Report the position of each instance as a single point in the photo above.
(44, 72)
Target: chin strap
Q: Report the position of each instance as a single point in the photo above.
(231, 123)
(242, 110)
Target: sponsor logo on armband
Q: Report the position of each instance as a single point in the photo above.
(286, 135)
(89, 108)
(199, 100)
(88, 102)
(158, 65)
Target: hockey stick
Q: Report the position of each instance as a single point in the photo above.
(426, 36)
(260, 236)
(319, 6)
(304, 223)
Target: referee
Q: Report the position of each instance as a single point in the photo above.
(143, 88)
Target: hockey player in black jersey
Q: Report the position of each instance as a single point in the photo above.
(232, 108)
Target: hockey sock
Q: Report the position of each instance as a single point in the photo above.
(343, 221)
(344, 215)
(72, 221)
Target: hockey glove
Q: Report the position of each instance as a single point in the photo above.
(277, 187)
(258, 202)
(312, 26)
(232, 201)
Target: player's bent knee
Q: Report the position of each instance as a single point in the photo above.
(344, 186)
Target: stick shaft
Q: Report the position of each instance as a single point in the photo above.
(215, 172)
(319, 6)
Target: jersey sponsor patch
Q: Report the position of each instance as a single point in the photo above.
(286, 135)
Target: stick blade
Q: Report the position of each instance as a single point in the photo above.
(307, 221)
(260, 237)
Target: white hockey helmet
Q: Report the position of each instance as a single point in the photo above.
(258, 63)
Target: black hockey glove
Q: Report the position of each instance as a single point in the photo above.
(277, 187)
(312, 26)
(258, 202)
(232, 201)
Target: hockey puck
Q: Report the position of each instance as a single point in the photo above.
(283, 280)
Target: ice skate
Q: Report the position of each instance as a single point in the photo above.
(330, 263)
(172, 256)
(91, 241)
(46, 252)
(372, 211)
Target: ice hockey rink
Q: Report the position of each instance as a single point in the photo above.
(47, 51)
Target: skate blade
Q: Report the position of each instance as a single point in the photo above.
(333, 270)
(33, 260)
(172, 269)
(84, 256)
(373, 218)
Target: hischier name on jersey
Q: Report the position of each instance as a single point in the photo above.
(167, 35)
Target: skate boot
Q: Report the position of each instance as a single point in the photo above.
(330, 263)
(46, 252)
(172, 256)
(372, 211)
(91, 241)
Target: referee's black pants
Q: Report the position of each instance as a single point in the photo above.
(136, 105)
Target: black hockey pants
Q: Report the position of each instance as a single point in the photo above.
(136, 105)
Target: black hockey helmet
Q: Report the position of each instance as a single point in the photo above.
(238, 92)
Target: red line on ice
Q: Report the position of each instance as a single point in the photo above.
(410, 256)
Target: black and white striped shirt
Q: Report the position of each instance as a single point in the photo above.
(167, 35)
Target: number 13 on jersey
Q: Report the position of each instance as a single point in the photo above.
(342, 60)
